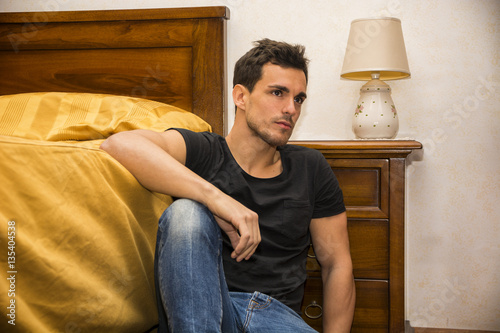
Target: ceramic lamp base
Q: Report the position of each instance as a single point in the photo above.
(375, 116)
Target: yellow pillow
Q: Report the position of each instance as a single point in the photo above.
(55, 116)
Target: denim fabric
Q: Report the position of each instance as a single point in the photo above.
(191, 289)
(260, 313)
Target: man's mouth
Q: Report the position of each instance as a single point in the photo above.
(284, 124)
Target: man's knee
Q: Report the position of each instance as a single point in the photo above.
(186, 218)
(186, 206)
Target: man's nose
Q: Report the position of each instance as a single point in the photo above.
(290, 107)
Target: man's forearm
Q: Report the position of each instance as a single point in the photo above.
(339, 297)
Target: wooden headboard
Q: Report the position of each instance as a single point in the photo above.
(174, 55)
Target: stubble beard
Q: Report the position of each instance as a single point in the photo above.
(268, 136)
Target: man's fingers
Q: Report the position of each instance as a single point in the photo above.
(241, 250)
(248, 242)
(230, 231)
(257, 240)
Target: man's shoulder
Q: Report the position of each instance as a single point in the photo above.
(192, 137)
(193, 133)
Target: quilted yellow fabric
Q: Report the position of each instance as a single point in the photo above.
(55, 116)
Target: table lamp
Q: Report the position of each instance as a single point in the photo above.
(375, 52)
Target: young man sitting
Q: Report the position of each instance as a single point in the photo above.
(232, 249)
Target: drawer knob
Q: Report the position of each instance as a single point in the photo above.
(311, 307)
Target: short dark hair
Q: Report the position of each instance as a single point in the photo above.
(248, 69)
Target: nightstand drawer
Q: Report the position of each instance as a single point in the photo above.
(372, 305)
(365, 185)
(369, 242)
(371, 314)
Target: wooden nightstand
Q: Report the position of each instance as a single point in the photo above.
(372, 177)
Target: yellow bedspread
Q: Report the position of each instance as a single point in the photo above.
(78, 238)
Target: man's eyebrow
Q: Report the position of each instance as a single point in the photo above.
(302, 95)
(285, 89)
(277, 86)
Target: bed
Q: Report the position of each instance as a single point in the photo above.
(77, 230)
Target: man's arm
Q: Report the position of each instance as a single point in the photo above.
(331, 246)
(157, 161)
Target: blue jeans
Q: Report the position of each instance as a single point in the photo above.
(191, 289)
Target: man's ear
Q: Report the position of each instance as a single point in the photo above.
(240, 94)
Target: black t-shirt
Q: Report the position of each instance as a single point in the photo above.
(285, 204)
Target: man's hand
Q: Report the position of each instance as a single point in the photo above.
(239, 223)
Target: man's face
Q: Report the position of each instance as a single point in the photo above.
(274, 105)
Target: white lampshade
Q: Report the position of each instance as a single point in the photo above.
(375, 52)
(375, 45)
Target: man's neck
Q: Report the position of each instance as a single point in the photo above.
(254, 156)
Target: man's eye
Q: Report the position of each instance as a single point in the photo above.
(299, 100)
(277, 93)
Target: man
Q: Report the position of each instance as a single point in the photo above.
(268, 198)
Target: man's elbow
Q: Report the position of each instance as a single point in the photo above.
(111, 144)
(105, 145)
(341, 267)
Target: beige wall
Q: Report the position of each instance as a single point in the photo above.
(451, 104)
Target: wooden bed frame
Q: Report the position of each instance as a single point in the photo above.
(175, 55)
